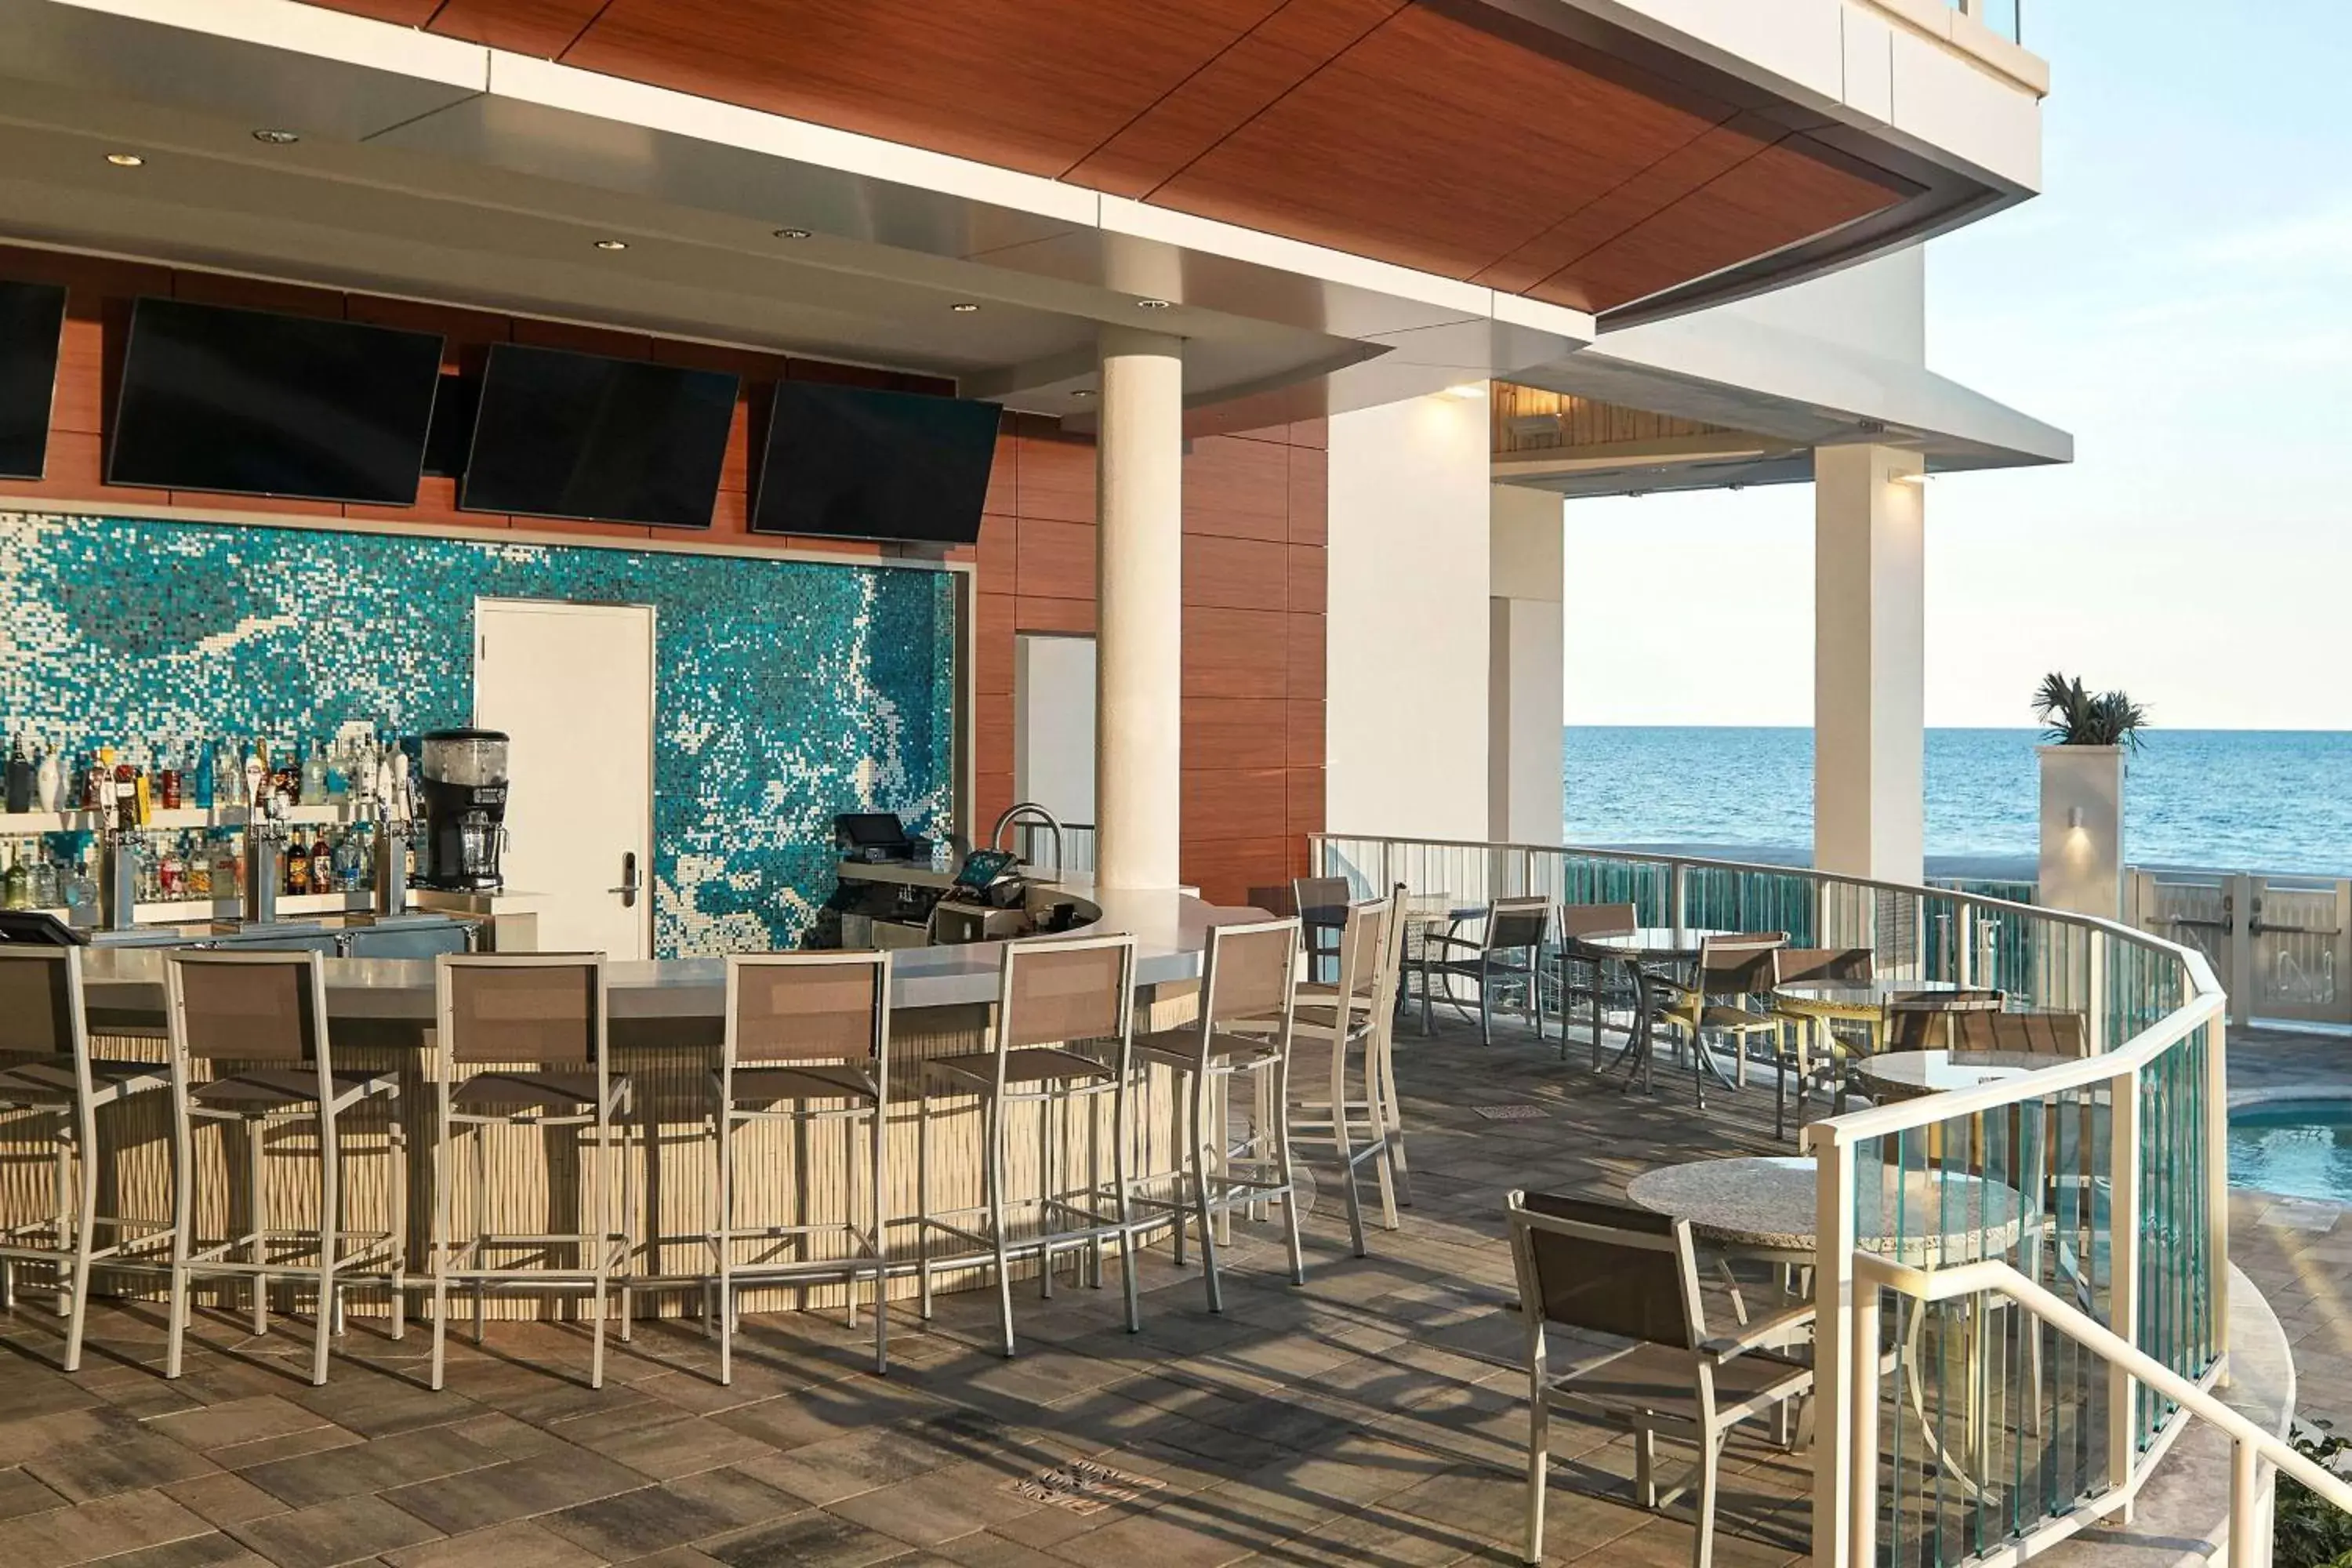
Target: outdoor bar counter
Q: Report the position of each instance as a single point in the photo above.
(664, 1032)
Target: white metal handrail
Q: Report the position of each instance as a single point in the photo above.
(2251, 1446)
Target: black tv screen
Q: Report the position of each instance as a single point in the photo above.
(860, 464)
(254, 402)
(31, 316)
(610, 440)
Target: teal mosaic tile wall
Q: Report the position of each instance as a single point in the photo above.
(786, 690)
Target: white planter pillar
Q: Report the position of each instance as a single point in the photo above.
(2083, 829)
(1139, 631)
(1869, 655)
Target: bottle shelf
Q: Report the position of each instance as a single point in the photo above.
(20, 823)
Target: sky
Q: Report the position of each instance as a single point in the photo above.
(2179, 298)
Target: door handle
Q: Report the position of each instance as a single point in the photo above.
(629, 883)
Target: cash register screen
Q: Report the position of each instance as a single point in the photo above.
(982, 868)
(871, 829)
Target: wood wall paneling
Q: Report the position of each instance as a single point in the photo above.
(1237, 653)
(1237, 487)
(1235, 732)
(1054, 474)
(1235, 574)
(1056, 560)
(1307, 485)
(542, 28)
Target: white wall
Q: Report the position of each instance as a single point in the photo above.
(1523, 671)
(1054, 724)
(1406, 715)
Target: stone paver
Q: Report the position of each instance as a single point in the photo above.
(1374, 1415)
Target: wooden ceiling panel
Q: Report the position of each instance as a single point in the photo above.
(542, 28)
(1664, 182)
(1031, 85)
(400, 12)
(1586, 167)
(1401, 148)
(1274, 57)
(1788, 193)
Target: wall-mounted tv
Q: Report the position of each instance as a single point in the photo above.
(610, 440)
(857, 463)
(31, 316)
(255, 402)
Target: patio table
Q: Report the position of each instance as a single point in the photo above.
(1908, 1075)
(1641, 951)
(1765, 1208)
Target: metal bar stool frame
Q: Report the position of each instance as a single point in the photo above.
(1357, 1129)
(261, 1100)
(1248, 1005)
(1066, 1076)
(46, 1068)
(812, 1070)
(604, 1254)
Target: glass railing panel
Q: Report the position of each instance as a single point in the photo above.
(2176, 1264)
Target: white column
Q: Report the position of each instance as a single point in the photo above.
(1523, 666)
(1138, 628)
(1407, 622)
(1869, 657)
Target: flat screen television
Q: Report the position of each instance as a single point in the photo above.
(855, 463)
(255, 402)
(609, 441)
(31, 316)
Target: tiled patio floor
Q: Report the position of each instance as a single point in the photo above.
(1371, 1417)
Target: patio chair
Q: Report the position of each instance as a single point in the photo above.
(1925, 1020)
(1591, 974)
(1795, 966)
(1506, 955)
(1632, 1275)
(1321, 905)
(1733, 972)
(1357, 1122)
(2040, 1034)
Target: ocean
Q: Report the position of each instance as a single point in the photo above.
(2236, 800)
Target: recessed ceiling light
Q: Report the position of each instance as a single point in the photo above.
(1082, 392)
(125, 160)
(1152, 304)
(277, 138)
(792, 234)
(611, 245)
(1468, 389)
(964, 307)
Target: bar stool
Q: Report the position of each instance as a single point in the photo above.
(1244, 1031)
(539, 1020)
(804, 1030)
(270, 1009)
(1358, 1125)
(46, 1069)
(1064, 1035)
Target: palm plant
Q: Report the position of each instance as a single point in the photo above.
(2074, 715)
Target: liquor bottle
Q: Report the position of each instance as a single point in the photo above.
(323, 864)
(228, 871)
(126, 793)
(172, 874)
(298, 867)
(16, 883)
(199, 872)
(143, 795)
(167, 778)
(338, 779)
(50, 783)
(46, 881)
(98, 781)
(351, 861)
(314, 775)
(20, 776)
(206, 764)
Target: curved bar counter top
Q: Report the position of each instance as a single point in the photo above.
(664, 1033)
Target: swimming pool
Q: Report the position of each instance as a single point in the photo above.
(2299, 1147)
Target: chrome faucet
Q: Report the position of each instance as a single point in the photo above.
(1029, 811)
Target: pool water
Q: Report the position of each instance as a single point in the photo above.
(2302, 1148)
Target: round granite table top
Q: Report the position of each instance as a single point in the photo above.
(1934, 1071)
(1857, 995)
(1768, 1203)
(1653, 941)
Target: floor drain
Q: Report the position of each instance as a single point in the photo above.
(1081, 1485)
(1510, 1112)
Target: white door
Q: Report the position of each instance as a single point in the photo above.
(572, 687)
(1054, 724)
